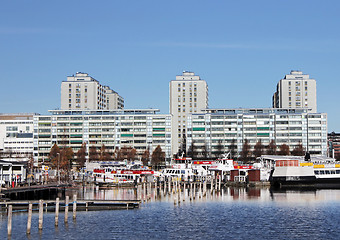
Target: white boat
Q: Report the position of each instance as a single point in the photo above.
(180, 174)
(317, 171)
(110, 175)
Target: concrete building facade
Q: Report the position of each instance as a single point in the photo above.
(232, 126)
(188, 94)
(16, 134)
(82, 92)
(140, 129)
(296, 90)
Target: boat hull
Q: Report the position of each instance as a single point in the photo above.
(305, 181)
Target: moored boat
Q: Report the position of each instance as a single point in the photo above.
(316, 171)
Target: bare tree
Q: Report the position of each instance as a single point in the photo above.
(258, 149)
(298, 150)
(53, 155)
(81, 156)
(245, 153)
(131, 154)
(104, 155)
(204, 152)
(220, 149)
(158, 156)
(271, 149)
(192, 151)
(284, 150)
(146, 157)
(93, 153)
(233, 149)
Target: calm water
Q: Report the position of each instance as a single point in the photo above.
(235, 214)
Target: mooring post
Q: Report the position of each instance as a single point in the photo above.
(219, 183)
(56, 218)
(66, 208)
(9, 221)
(29, 219)
(74, 206)
(41, 212)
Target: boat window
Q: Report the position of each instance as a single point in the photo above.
(332, 171)
(337, 171)
(322, 172)
(316, 172)
(327, 172)
(182, 171)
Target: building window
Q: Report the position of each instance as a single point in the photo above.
(69, 95)
(289, 83)
(306, 88)
(69, 85)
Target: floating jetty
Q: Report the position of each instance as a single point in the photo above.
(82, 205)
(35, 192)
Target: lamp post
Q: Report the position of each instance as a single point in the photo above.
(58, 168)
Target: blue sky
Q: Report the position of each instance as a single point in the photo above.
(241, 48)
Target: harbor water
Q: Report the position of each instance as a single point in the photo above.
(234, 213)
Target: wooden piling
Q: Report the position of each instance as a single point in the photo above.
(29, 219)
(74, 206)
(66, 208)
(9, 220)
(56, 218)
(41, 212)
(194, 191)
(219, 183)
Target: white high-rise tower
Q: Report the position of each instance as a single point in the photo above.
(84, 92)
(188, 94)
(296, 90)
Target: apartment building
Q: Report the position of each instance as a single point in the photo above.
(81, 91)
(140, 129)
(16, 134)
(296, 90)
(232, 126)
(188, 94)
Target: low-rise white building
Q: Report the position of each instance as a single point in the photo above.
(226, 127)
(16, 134)
(136, 128)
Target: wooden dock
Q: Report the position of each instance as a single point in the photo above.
(82, 205)
(36, 192)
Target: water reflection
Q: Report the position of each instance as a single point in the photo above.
(262, 194)
(235, 213)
